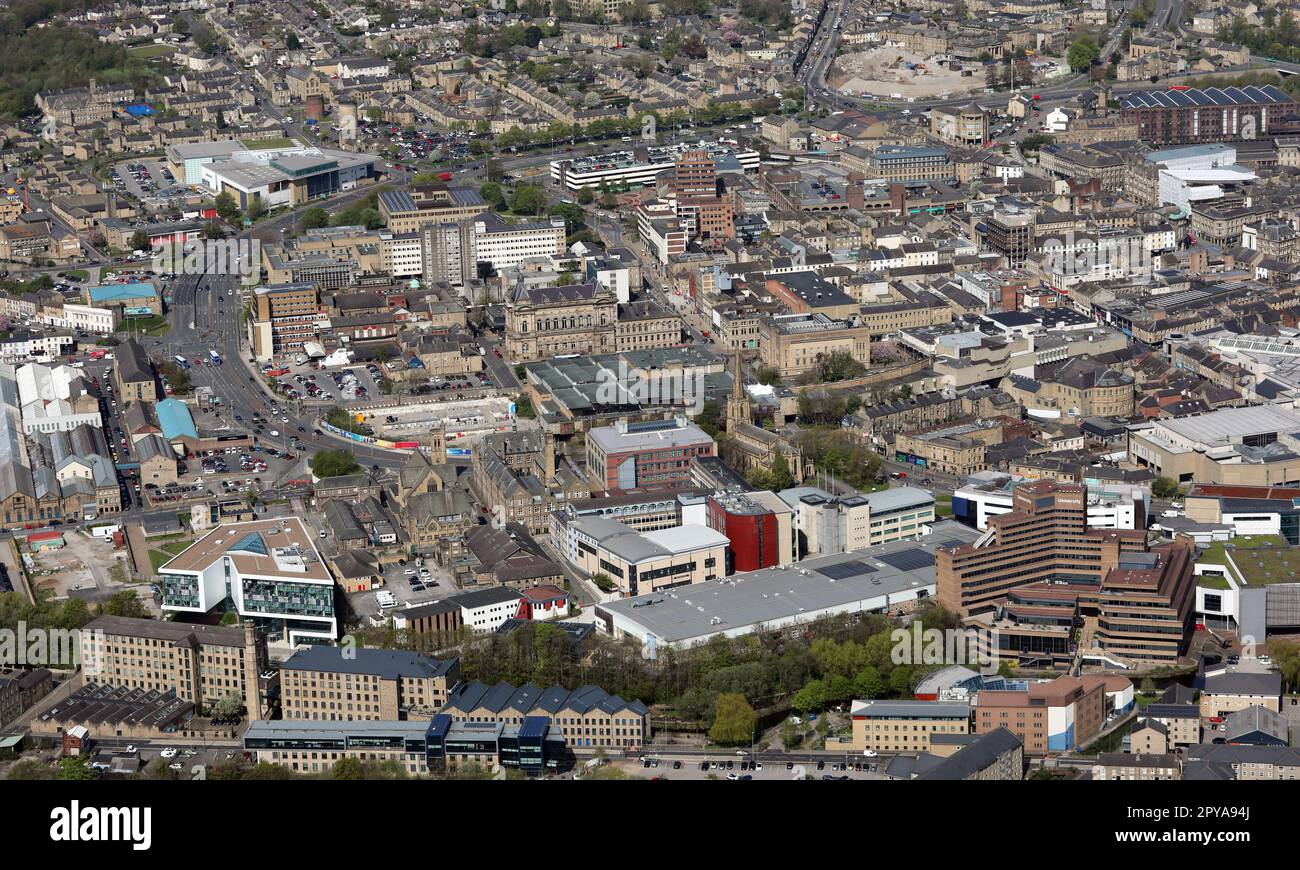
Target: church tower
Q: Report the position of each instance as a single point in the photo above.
(738, 401)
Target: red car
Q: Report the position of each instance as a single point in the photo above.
(1216, 719)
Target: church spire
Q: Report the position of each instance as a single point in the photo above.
(738, 402)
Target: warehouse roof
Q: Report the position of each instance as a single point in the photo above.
(783, 592)
(175, 420)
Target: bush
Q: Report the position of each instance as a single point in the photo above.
(334, 463)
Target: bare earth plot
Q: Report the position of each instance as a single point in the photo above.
(882, 72)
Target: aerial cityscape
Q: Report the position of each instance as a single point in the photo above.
(551, 390)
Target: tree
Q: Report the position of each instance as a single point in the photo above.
(779, 468)
(334, 463)
(1164, 488)
(735, 720)
(76, 768)
(493, 195)
(292, 42)
(227, 208)
(314, 218)
(1083, 53)
(140, 240)
(769, 376)
(574, 216)
(126, 604)
(348, 767)
(228, 708)
(586, 196)
(813, 696)
(868, 684)
(528, 199)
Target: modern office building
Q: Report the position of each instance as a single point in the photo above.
(657, 452)
(285, 176)
(1250, 510)
(199, 663)
(1059, 716)
(905, 726)
(642, 562)
(1110, 506)
(505, 245)
(827, 524)
(267, 571)
(417, 747)
(282, 318)
(410, 211)
(759, 526)
(1010, 232)
(623, 169)
(695, 173)
(1045, 538)
(1043, 555)
(334, 684)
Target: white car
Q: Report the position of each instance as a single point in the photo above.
(169, 752)
(130, 750)
(275, 433)
(870, 753)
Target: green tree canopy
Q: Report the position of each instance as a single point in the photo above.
(334, 463)
(735, 720)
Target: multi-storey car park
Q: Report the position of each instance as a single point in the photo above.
(627, 169)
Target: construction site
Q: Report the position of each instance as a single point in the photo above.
(897, 74)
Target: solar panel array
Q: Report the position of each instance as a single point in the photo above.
(908, 560)
(845, 570)
(1249, 95)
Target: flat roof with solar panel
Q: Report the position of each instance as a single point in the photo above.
(845, 570)
(909, 560)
